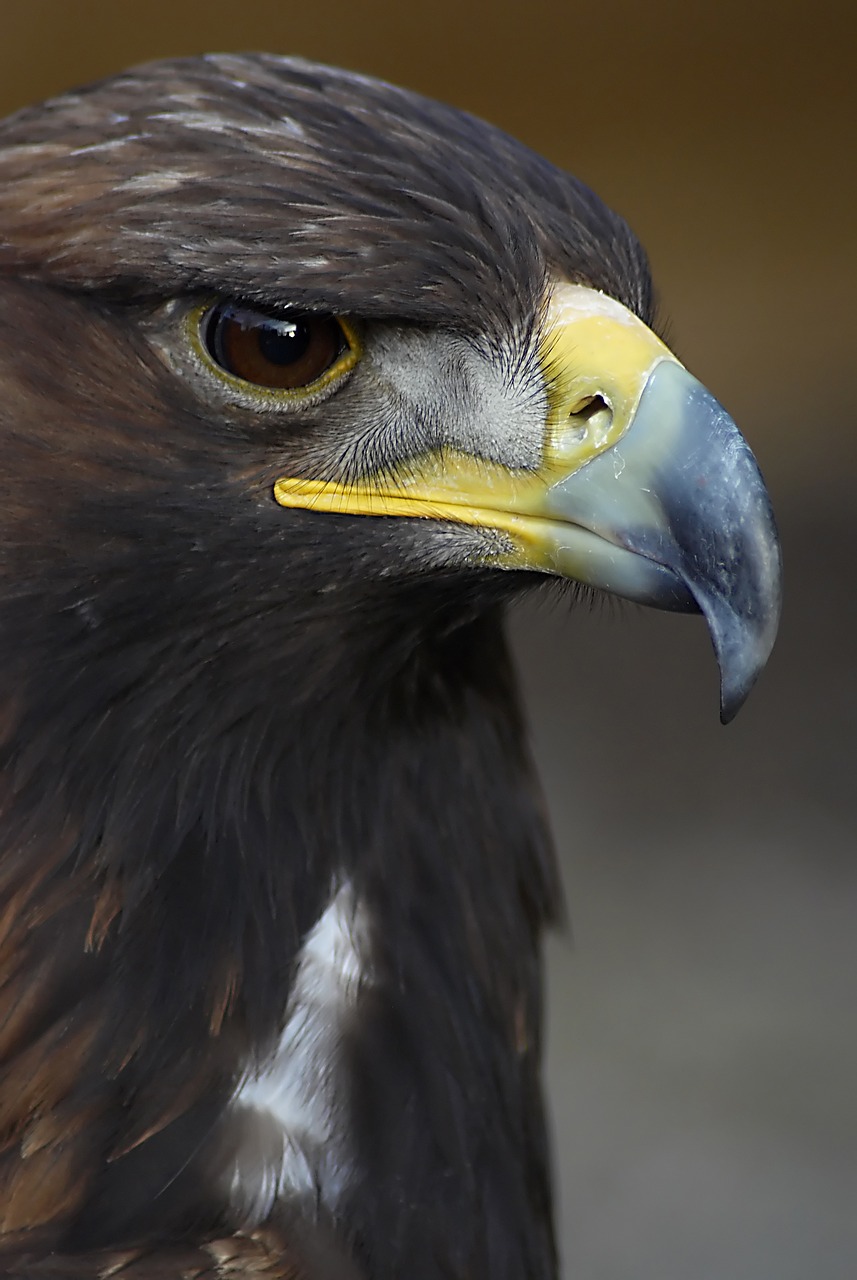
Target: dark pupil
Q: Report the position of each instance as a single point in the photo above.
(284, 341)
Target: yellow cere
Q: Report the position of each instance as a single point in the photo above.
(597, 358)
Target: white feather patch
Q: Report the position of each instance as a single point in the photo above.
(291, 1110)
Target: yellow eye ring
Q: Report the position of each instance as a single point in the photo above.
(281, 356)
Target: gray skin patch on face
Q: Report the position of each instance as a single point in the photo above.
(491, 403)
(414, 391)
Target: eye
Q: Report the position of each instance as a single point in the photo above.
(276, 352)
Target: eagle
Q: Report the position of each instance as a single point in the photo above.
(303, 379)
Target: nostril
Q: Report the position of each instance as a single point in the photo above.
(590, 419)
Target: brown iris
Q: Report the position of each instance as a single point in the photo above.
(277, 352)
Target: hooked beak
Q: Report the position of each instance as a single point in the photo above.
(646, 488)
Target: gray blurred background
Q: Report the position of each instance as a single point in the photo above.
(703, 1049)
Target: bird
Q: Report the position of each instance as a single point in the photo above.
(305, 379)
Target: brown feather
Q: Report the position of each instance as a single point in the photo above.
(265, 1254)
(211, 710)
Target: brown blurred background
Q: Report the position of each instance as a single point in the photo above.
(703, 1047)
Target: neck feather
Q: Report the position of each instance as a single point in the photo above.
(186, 845)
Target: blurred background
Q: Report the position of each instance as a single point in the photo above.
(703, 1010)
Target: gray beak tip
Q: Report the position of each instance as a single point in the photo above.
(743, 640)
(732, 700)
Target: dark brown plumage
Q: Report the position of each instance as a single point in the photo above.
(216, 712)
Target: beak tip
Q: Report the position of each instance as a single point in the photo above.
(742, 652)
(731, 703)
